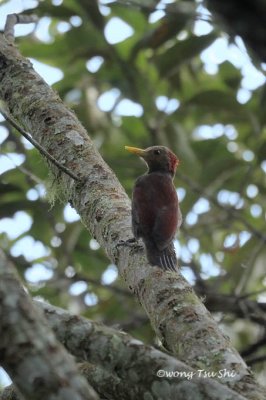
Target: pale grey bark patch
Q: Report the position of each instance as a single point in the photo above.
(38, 365)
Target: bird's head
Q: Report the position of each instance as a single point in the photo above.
(158, 158)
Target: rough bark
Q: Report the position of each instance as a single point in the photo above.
(129, 359)
(246, 19)
(121, 367)
(178, 317)
(38, 365)
(10, 393)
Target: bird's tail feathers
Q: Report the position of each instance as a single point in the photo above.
(166, 259)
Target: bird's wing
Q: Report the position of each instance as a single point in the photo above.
(165, 226)
(141, 208)
(180, 218)
(135, 219)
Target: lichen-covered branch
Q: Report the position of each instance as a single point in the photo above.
(178, 317)
(121, 367)
(38, 365)
(10, 393)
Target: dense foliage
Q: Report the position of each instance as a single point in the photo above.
(175, 80)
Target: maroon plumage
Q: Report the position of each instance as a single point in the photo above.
(155, 210)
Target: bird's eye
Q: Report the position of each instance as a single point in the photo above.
(156, 152)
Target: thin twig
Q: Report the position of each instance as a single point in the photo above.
(254, 347)
(25, 171)
(229, 210)
(38, 146)
(14, 19)
(256, 360)
(249, 294)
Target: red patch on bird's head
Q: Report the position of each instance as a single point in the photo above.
(173, 162)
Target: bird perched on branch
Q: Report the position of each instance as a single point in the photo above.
(155, 210)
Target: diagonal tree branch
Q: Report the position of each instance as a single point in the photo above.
(29, 352)
(118, 363)
(117, 352)
(178, 317)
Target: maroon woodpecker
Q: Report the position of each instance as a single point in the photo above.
(155, 210)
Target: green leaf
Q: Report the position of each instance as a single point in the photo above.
(215, 100)
(182, 52)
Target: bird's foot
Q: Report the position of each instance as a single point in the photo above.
(132, 242)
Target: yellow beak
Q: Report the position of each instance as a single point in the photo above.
(135, 150)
